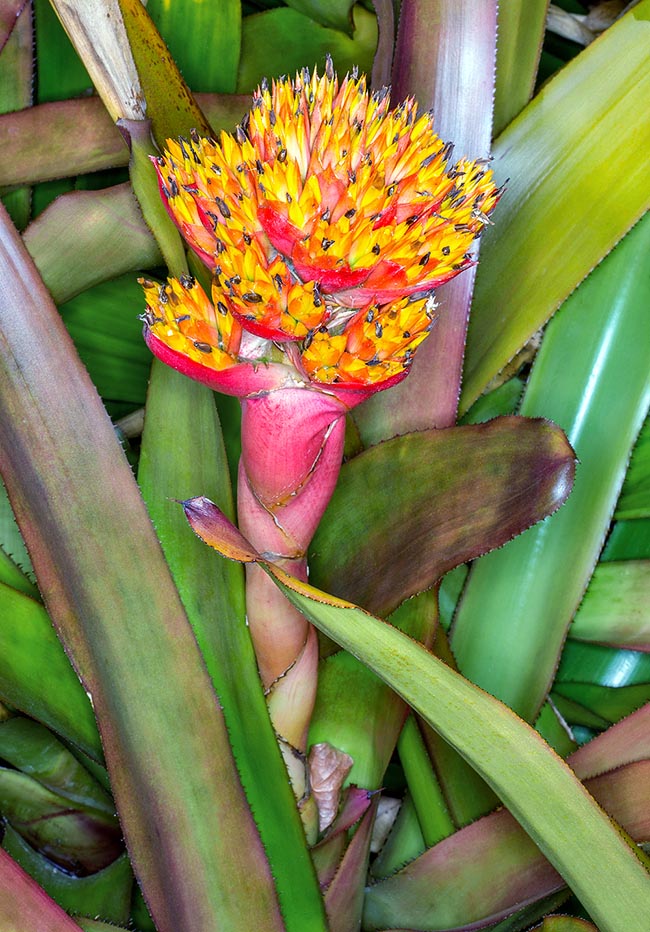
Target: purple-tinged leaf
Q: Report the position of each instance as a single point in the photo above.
(73, 137)
(24, 905)
(326, 857)
(9, 13)
(16, 84)
(59, 140)
(465, 490)
(89, 536)
(212, 526)
(445, 58)
(355, 803)
(625, 742)
(383, 64)
(91, 228)
(328, 853)
(345, 895)
(53, 801)
(490, 869)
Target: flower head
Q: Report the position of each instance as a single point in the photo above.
(327, 220)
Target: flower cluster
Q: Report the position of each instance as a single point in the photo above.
(326, 220)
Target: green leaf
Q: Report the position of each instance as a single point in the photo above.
(566, 924)
(407, 833)
(60, 71)
(628, 540)
(502, 400)
(204, 40)
(36, 676)
(457, 505)
(283, 41)
(341, 676)
(541, 792)
(147, 193)
(635, 494)
(92, 925)
(615, 607)
(91, 226)
(31, 748)
(593, 663)
(423, 785)
(610, 703)
(591, 377)
(77, 838)
(105, 326)
(333, 13)
(521, 32)
(12, 575)
(171, 107)
(106, 893)
(125, 627)
(11, 542)
(565, 206)
(365, 550)
(554, 731)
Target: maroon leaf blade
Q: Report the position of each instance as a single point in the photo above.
(457, 505)
(445, 58)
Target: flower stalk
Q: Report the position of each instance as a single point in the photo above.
(327, 220)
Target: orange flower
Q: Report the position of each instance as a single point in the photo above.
(327, 221)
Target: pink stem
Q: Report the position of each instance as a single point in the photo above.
(292, 446)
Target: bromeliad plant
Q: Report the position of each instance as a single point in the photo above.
(322, 227)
